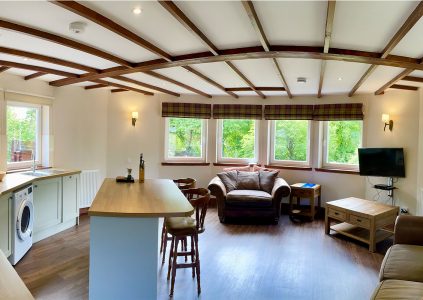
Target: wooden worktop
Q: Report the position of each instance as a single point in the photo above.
(152, 198)
(14, 181)
(11, 285)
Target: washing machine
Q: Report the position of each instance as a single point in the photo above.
(22, 223)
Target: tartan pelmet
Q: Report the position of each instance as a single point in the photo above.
(237, 111)
(288, 112)
(343, 111)
(186, 110)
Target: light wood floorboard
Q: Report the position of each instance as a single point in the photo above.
(238, 261)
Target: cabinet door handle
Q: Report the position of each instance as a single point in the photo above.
(35, 186)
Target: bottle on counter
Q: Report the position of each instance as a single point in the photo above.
(141, 169)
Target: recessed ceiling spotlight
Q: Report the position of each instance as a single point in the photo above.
(339, 78)
(77, 27)
(137, 10)
(25, 59)
(302, 80)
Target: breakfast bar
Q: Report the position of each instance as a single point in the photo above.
(124, 236)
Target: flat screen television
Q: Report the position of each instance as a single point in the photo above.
(381, 162)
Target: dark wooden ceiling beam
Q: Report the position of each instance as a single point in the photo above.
(105, 22)
(255, 21)
(405, 28)
(399, 77)
(47, 59)
(413, 78)
(35, 75)
(183, 85)
(3, 68)
(263, 89)
(404, 87)
(121, 86)
(63, 41)
(190, 26)
(12, 64)
(95, 86)
(305, 52)
(118, 90)
(146, 85)
(330, 15)
(210, 81)
(109, 24)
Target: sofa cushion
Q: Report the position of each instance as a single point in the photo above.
(403, 262)
(247, 181)
(267, 180)
(246, 169)
(249, 198)
(398, 289)
(229, 180)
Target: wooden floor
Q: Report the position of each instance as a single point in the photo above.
(287, 261)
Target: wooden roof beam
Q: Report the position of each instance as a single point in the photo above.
(35, 75)
(149, 86)
(187, 87)
(121, 86)
(255, 21)
(63, 41)
(3, 68)
(278, 51)
(404, 87)
(190, 26)
(95, 86)
(12, 64)
(414, 79)
(263, 89)
(118, 90)
(330, 15)
(405, 28)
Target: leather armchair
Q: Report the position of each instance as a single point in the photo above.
(247, 208)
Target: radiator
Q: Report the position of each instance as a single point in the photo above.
(90, 183)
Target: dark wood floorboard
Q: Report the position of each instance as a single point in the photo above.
(287, 261)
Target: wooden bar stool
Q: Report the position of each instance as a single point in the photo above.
(182, 184)
(182, 228)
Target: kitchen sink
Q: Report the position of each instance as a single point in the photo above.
(36, 174)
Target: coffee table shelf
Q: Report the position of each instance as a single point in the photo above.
(358, 233)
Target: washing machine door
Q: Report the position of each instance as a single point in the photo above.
(25, 220)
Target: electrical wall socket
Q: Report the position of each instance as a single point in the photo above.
(404, 210)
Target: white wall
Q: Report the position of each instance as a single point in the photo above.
(420, 160)
(92, 130)
(126, 142)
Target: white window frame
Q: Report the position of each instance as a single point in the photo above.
(219, 144)
(341, 166)
(203, 158)
(38, 141)
(293, 163)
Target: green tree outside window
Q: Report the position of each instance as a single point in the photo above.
(185, 137)
(291, 140)
(238, 138)
(344, 138)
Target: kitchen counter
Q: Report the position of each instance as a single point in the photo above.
(14, 181)
(11, 285)
(124, 231)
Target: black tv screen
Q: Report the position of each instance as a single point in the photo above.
(383, 162)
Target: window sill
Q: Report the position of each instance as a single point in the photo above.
(352, 172)
(185, 164)
(233, 165)
(289, 167)
(11, 171)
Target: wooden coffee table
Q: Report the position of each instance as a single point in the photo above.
(364, 220)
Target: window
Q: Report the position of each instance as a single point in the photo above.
(340, 144)
(290, 142)
(237, 140)
(185, 139)
(23, 123)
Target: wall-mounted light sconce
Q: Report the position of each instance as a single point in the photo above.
(387, 121)
(134, 117)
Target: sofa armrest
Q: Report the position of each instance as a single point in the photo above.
(280, 189)
(217, 189)
(409, 230)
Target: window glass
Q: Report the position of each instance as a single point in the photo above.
(22, 133)
(238, 139)
(291, 140)
(343, 140)
(185, 138)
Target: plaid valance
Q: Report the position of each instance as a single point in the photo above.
(288, 112)
(334, 112)
(237, 111)
(186, 110)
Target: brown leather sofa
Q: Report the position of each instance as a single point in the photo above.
(401, 273)
(249, 203)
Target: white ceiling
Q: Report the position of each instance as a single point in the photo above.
(358, 25)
